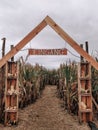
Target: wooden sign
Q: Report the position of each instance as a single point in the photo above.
(47, 51)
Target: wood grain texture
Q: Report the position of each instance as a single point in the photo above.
(22, 43)
(60, 32)
(70, 41)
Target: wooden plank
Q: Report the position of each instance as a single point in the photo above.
(22, 43)
(95, 103)
(47, 51)
(71, 42)
(11, 101)
(62, 34)
(85, 115)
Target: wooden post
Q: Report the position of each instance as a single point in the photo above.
(85, 98)
(2, 75)
(3, 46)
(11, 93)
(86, 46)
(81, 57)
(3, 67)
(12, 59)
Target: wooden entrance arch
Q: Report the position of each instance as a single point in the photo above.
(57, 29)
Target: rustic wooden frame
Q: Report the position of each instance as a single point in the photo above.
(84, 76)
(9, 100)
(57, 29)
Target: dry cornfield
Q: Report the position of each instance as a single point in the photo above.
(33, 79)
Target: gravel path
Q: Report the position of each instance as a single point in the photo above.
(46, 114)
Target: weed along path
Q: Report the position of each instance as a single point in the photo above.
(46, 114)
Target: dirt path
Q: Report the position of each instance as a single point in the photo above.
(46, 114)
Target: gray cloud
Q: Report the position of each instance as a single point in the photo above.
(78, 18)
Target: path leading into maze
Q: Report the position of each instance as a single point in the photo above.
(46, 114)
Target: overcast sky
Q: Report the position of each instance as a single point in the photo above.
(79, 18)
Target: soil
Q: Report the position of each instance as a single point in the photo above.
(46, 114)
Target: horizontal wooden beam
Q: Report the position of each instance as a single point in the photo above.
(62, 51)
(70, 41)
(62, 34)
(22, 43)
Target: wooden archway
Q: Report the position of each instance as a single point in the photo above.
(57, 29)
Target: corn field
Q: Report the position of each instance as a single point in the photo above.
(68, 87)
(32, 81)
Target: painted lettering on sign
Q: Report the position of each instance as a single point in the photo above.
(47, 51)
